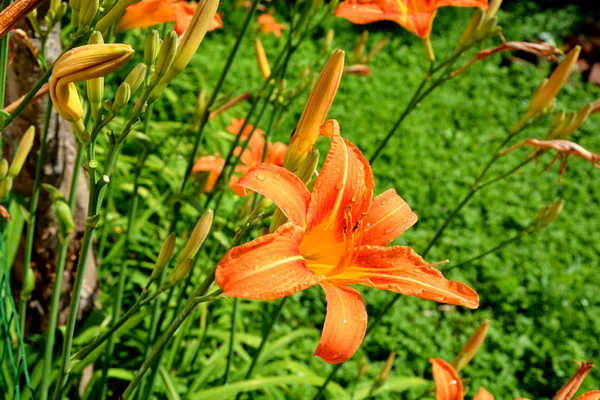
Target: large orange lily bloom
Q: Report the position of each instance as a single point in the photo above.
(449, 386)
(416, 16)
(153, 12)
(336, 237)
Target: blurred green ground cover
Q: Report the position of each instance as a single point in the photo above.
(541, 295)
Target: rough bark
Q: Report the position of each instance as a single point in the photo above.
(58, 170)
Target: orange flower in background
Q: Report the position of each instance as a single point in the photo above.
(153, 12)
(251, 156)
(268, 24)
(336, 237)
(236, 127)
(416, 16)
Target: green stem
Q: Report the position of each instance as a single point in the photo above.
(35, 196)
(234, 316)
(488, 252)
(158, 347)
(122, 278)
(58, 279)
(4, 56)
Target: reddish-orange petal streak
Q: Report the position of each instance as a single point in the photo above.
(593, 395)
(266, 268)
(345, 324)
(286, 190)
(144, 14)
(345, 181)
(483, 394)
(448, 385)
(388, 218)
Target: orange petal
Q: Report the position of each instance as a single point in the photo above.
(183, 15)
(146, 13)
(427, 283)
(345, 324)
(483, 394)
(276, 153)
(365, 12)
(233, 184)
(216, 23)
(212, 164)
(286, 190)
(401, 258)
(593, 395)
(346, 181)
(388, 218)
(448, 385)
(266, 268)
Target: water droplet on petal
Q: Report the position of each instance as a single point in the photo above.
(388, 230)
(260, 177)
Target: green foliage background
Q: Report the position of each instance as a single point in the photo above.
(540, 295)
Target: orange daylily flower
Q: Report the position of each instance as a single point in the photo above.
(252, 156)
(448, 384)
(153, 12)
(416, 16)
(268, 24)
(336, 237)
(564, 149)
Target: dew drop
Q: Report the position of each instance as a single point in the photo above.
(260, 177)
(388, 230)
(338, 186)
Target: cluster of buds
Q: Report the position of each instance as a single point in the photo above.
(81, 64)
(185, 260)
(565, 123)
(9, 172)
(83, 13)
(483, 25)
(545, 216)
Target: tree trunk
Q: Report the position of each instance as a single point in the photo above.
(23, 72)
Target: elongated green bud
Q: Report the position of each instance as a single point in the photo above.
(5, 186)
(95, 87)
(136, 77)
(115, 14)
(75, 10)
(25, 146)
(180, 272)
(89, 9)
(166, 54)
(151, 48)
(121, 97)
(62, 211)
(197, 237)
(545, 216)
(3, 168)
(28, 285)
(165, 255)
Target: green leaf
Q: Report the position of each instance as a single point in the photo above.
(394, 385)
(169, 385)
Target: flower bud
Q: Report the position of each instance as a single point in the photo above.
(384, 374)
(114, 14)
(546, 93)
(95, 87)
(197, 237)
(571, 123)
(62, 211)
(165, 255)
(189, 43)
(359, 48)
(121, 97)
(25, 146)
(5, 186)
(261, 58)
(471, 347)
(3, 168)
(28, 285)
(377, 48)
(570, 388)
(466, 39)
(166, 54)
(545, 216)
(87, 13)
(317, 107)
(328, 41)
(75, 10)
(83, 63)
(180, 272)
(151, 48)
(136, 77)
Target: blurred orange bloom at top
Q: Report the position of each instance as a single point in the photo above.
(153, 12)
(336, 237)
(236, 127)
(416, 16)
(268, 24)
